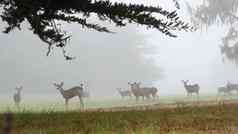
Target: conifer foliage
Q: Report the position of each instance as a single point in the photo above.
(46, 16)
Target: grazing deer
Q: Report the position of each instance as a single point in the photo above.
(70, 93)
(232, 87)
(17, 96)
(191, 88)
(124, 93)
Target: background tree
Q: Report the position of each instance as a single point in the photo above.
(46, 16)
(223, 12)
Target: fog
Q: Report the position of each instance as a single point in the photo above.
(105, 61)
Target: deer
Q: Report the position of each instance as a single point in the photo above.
(223, 90)
(191, 88)
(71, 93)
(140, 92)
(151, 90)
(232, 87)
(17, 96)
(136, 91)
(124, 93)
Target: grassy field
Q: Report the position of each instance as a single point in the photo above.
(218, 118)
(95, 103)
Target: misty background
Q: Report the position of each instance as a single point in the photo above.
(105, 61)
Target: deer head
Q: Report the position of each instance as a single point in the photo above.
(133, 85)
(59, 86)
(185, 82)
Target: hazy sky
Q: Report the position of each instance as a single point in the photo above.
(105, 62)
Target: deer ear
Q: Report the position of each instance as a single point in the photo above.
(62, 83)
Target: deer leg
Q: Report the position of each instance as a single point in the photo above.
(66, 104)
(66, 101)
(81, 101)
(154, 96)
(148, 97)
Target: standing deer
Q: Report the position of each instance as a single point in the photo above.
(232, 87)
(223, 90)
(70, 93)
(17, 96)
(151, 90)
(191, 88)
(142, 92)
(137, 92)
(124, 93)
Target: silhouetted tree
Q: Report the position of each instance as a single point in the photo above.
(45, 17)
(223, 12)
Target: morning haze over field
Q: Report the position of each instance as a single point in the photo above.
(115, 66)
(105, 62)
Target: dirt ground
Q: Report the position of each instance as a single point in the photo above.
(178, 104)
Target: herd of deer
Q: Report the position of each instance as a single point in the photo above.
(76, 91)
(135, 90)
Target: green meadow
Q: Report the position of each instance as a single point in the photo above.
(218, 118)
(106, 102)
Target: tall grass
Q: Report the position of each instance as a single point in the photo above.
(220, 118)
